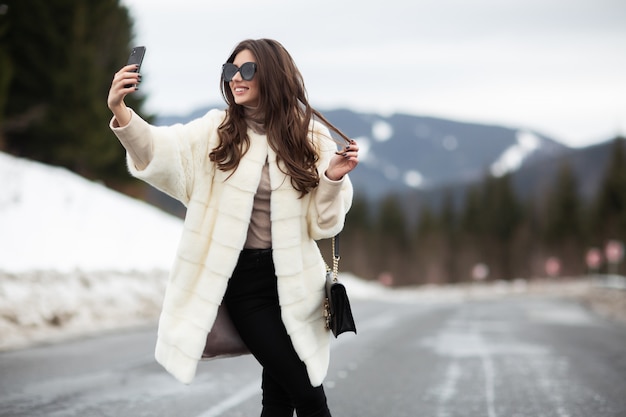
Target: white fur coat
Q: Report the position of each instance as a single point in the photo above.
(215, 228)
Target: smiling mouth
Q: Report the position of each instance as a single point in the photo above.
(240, 89)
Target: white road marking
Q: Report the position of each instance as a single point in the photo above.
(490, 389)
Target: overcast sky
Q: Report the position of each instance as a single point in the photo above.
(556, 66)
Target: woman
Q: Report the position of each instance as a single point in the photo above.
(262, 181)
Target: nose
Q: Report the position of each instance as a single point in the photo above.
(237, 76)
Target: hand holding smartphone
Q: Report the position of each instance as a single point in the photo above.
(136, 58)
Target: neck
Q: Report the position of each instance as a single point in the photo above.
(255, 119)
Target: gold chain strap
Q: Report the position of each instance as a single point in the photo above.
(335, 276)
(336, 258)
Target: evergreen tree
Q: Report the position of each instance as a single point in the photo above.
(562, 230)
(58, 60)
(358, 218)
(501, 216)
(609, 219)
(471, 218)
(391, 243)
(6, 66)
(391, 222)
(449, 232)
(471, 249)
(563, 209)
(429, 252)
(427, 222)
(357, 240)
(502, 211)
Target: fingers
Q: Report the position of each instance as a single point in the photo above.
(130, 68)
(341, 165)
(125, 81)
(345, 161)
(350, 151)
(127, 78)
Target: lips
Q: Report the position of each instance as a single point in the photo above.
(244, 93)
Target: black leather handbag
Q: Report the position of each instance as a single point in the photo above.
(337, 310)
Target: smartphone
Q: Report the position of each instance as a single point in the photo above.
(136, 57)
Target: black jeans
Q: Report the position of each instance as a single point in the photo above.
(252, 302)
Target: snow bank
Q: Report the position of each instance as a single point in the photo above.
(76, 257)
(52, 219)
(44, 306)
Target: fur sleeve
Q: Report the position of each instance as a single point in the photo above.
(177, 151)
(331, 200)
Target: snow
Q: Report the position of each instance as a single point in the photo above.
(382, 131)
(77, 258)
(513, 157)
(364, 149)
(52, 219)
(450, 143)
(413, 178)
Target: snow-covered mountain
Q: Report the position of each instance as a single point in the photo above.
(405, 152)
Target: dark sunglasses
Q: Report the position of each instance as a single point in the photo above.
(246, 70)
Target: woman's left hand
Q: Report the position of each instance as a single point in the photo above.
(343, 162)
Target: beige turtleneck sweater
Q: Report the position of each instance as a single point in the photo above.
(259, 232)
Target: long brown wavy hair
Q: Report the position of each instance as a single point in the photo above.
(287, 115)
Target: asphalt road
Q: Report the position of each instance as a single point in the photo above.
(510, 357)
